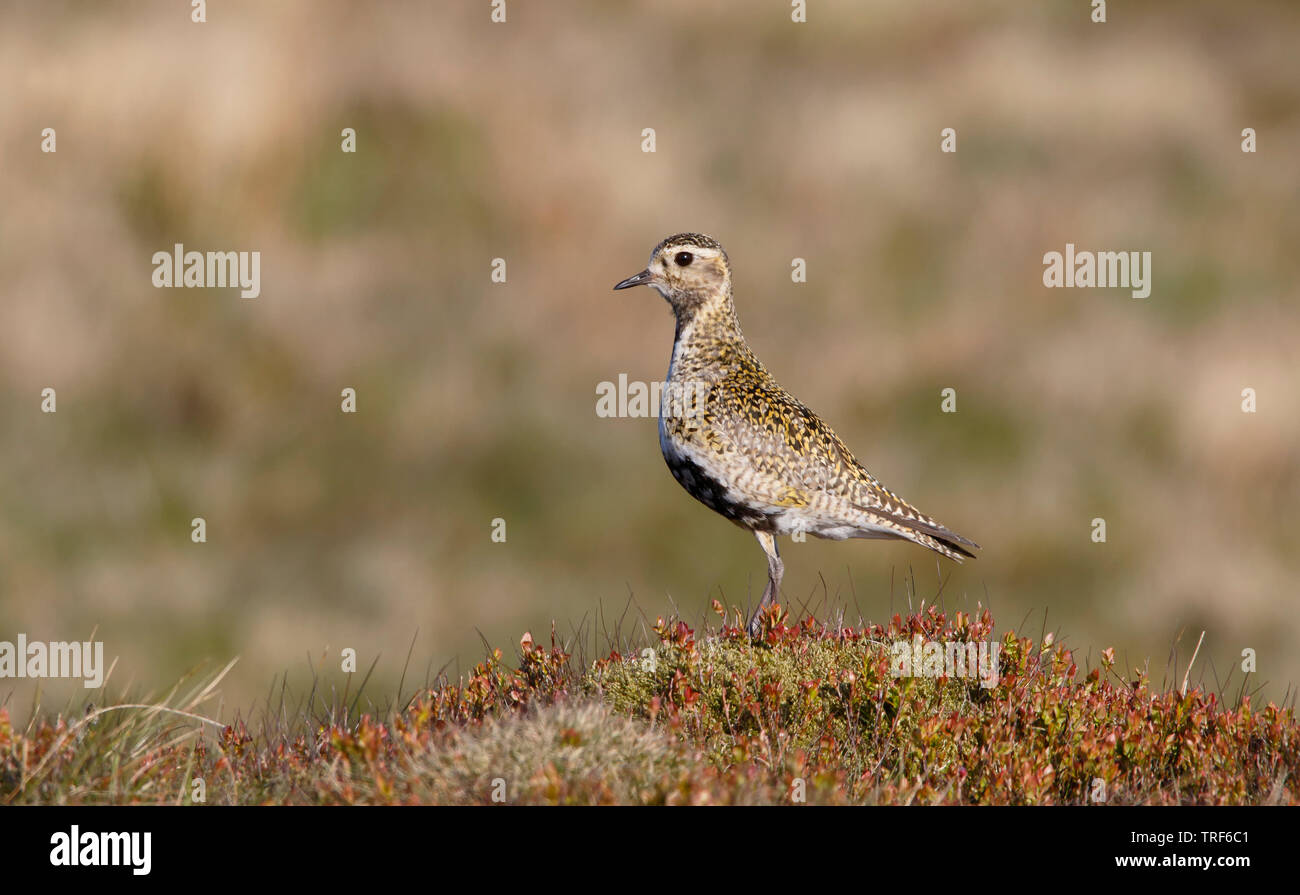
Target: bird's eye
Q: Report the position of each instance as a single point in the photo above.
(684, 258)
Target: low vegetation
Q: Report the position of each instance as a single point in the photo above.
(806, 713)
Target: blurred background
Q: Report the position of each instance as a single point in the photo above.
(477, 400)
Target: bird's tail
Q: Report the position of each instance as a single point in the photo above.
(949, 547)
(877, 523)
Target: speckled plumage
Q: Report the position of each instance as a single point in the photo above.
(748, 449)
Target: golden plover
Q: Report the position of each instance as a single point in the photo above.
(745, 447)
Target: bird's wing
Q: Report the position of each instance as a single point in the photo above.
(796, 459)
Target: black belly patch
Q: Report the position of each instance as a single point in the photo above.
(714, 495)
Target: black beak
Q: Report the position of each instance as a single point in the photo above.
(640, 279)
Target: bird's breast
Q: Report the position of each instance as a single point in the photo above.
(708, 486)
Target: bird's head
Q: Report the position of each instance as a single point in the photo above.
(688, 269)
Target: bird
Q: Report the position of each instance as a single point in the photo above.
(745, 447)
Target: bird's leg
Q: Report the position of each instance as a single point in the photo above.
(775, 569)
